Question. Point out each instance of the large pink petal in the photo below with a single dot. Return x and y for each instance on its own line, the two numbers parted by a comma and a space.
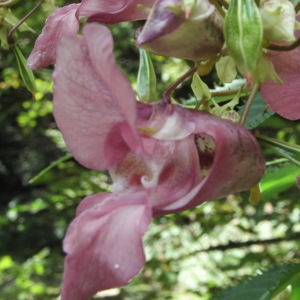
60, 23
104, 244
94, 104
230, 159
285, 99
113, 11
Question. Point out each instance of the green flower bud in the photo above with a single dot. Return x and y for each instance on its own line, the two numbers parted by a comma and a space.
279, 18
244, 35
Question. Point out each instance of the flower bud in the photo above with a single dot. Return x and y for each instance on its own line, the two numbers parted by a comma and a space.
244, 34
183, 29
279, 18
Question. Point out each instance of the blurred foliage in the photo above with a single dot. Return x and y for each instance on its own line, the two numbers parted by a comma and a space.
191, 255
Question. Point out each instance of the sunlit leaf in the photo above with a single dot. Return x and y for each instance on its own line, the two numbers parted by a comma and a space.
264, 286
278, 180
295, 295
200, 88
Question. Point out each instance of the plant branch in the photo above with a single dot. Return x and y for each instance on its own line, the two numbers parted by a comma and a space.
285, 48
10, 38
167, 94
248, 104
238, 245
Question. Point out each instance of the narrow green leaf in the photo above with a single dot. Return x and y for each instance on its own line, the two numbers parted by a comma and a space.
146, 79
264, 286
286, 150
51, 166
278, 180
26, 74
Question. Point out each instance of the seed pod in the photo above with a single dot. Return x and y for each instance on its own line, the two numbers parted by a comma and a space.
243, 32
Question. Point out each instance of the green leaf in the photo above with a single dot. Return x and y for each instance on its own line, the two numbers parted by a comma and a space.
286, 150
146, 79
51, 166
258, 112
26, 74
200, 88
264, 286
226, 69
295, 295
278, 180
11, 20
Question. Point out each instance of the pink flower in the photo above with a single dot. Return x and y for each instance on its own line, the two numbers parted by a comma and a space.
65, 21
284, 98
111, 12
162, 158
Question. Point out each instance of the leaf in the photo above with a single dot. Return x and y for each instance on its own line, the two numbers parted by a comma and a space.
26, 74
259, 112
146, 79
286, 150
225, 68
295, 295
51, 166
278, 180
200, 88
264, 286
11, 20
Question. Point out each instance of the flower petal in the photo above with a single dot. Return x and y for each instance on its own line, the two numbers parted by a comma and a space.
94, 104
104, 244
113, 11
60, 23
285, 99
